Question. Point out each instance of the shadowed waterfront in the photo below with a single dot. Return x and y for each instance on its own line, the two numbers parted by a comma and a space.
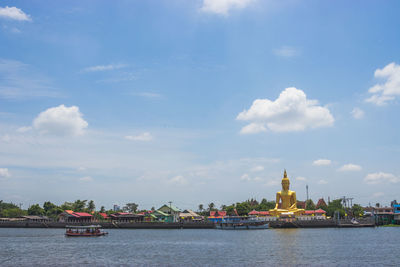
364, 246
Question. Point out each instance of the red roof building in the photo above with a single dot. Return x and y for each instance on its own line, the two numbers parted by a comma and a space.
321, 203
75, 217
218, 213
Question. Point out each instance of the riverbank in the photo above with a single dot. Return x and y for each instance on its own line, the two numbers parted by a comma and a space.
191, 225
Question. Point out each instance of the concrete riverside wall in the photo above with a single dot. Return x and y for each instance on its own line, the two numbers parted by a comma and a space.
109, 225
198, 225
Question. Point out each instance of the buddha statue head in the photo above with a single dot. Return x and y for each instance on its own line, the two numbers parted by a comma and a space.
285, 182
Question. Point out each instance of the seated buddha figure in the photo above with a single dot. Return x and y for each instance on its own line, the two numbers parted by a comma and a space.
287, 198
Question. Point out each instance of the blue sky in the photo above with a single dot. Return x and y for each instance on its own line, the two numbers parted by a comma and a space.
198, 101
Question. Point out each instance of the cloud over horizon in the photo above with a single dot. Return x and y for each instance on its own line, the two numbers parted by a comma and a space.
381, 177
4, 173
290, 112
60, 120
350, 167
322, 162
14, 13
223, 7
389, 89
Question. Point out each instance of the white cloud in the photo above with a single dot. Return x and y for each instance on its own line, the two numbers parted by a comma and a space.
253, 128
14, 13
257, 168
4, 172
141, 137
178, 180
104, 67
86, 179
350, 167
245, 177
222, 7
286, 51
381, 177
322, 162
24, 129
60, 120
322, 182
378, 194
292, 111
357, 113
387, 91
300, 178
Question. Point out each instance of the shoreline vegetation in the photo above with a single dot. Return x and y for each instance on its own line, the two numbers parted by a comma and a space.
51, 210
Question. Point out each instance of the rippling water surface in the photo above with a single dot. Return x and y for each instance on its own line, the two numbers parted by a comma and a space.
319, 247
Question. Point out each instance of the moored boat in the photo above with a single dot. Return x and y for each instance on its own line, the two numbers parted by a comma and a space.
90, 230
242, 223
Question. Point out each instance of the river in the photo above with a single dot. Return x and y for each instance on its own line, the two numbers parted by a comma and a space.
203, 247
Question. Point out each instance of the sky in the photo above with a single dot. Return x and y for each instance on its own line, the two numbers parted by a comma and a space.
198, 101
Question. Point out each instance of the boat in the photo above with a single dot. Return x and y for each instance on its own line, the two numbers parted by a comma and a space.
89, 230
242, 223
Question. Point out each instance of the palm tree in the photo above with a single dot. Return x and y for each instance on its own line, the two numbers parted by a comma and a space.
201, 207
211, 206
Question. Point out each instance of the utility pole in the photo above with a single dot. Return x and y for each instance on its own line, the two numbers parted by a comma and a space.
170, 210
307, 191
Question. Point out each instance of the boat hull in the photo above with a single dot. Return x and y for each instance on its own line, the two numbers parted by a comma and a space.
241, 226
84, 234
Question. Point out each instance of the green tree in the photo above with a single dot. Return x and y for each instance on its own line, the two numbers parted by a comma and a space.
310, 205
265, 205
243, 208
13, 213
35, 210
335, 205
211, 206
91, 206
201, 207
67, 206
357, 210
131, 207
102, 209
230, 210
47, 206
79, 205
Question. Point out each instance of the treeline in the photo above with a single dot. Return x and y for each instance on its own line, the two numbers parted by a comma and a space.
10, 210
51, 210
243, 208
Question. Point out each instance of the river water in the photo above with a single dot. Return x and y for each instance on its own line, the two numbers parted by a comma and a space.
203, 247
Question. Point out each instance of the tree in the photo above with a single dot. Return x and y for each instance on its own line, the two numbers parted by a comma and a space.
90, 206
13, 213
131, 207
335, 205
47, 206
310, 205
230, 210
265, 205
35, 210
211, 206
357, 210
201, 207
243, 208
79, 205
102, 209
67, 206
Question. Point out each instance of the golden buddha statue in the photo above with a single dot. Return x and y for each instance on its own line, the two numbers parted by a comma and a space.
287, 199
